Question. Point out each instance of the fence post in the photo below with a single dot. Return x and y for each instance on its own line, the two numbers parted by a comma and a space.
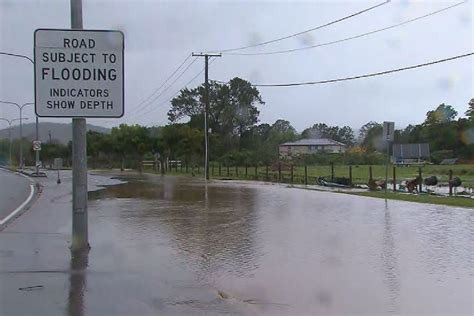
192, 170
246, 173
421, 180
256, 172
450, 178
220, 169
305, 174
181, 168
187, 167
370, 174
228, 173
291, 172
176, 167
199, 169
267, 173
237, 171
212, 169
332, 171
350, 175
279, 171
394, 179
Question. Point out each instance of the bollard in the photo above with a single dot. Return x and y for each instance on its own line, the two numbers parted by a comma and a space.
176, 167
420, 179
228, 172
350, 175
394, 179
187, 168
199, 169
256, 172
212, 169
267, 173
181, 168
220, 170
305, 175
237, 171
450, 184
246, 173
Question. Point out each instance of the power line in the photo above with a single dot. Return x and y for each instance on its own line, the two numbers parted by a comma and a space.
164, 82
306, 31
352, 37
166, 89
360, 76
177, 92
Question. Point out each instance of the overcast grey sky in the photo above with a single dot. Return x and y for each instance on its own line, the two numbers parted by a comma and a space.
160, 34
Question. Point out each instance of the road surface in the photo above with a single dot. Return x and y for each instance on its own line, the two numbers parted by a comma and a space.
14, 190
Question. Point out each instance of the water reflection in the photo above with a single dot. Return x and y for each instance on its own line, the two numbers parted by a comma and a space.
390, 262
212, 225
77, 282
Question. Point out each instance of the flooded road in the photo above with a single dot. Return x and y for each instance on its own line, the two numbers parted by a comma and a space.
247, 248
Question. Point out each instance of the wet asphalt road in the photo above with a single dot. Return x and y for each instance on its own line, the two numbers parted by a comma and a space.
14, 190
175, 246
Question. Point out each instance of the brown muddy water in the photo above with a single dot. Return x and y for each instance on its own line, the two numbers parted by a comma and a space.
178, 246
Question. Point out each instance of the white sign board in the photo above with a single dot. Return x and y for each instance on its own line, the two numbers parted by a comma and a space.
36, 145
79, 73
388, 131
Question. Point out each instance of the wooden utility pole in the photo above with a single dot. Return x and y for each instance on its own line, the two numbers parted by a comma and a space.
206, 109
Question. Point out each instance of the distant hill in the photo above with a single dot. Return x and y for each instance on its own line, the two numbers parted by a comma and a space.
59, 131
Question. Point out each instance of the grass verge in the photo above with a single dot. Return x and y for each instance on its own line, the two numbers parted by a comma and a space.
423, 198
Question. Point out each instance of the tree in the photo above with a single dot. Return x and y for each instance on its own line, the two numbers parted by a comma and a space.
343, 134
370, 135
470, 111
443, 113
131, 140
232, 109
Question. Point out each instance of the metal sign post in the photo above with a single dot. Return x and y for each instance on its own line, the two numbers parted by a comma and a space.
79, 74
388, 135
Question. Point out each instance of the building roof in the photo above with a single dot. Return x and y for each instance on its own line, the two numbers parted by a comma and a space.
313, 142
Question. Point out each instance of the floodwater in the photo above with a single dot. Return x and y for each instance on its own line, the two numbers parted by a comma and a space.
178, 246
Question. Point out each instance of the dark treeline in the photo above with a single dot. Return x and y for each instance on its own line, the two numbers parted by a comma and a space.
237, 138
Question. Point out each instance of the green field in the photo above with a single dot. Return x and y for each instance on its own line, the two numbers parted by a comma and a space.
360, 174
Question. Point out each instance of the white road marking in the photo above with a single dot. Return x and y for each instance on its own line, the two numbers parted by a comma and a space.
20, 208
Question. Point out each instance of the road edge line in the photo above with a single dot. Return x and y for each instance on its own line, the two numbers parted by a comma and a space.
22, 207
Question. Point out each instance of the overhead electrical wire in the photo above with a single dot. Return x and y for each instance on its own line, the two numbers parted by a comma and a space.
166, 89
177, 92
164, 82
348, 38
360, 76
305, 31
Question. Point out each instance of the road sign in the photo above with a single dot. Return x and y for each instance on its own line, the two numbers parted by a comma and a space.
388, 131
79, 73
36, 145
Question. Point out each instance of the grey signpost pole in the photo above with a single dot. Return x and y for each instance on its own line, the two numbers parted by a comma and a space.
79, 162
37, 151
388, 133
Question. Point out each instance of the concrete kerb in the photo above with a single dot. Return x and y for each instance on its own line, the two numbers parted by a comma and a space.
23, 206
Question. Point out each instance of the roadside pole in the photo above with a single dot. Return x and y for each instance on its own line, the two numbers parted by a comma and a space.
206, 110
80, 238
388, 135
37, 151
